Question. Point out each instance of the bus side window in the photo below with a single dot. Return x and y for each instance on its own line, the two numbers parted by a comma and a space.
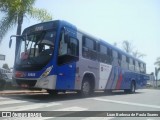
110, 55
73, 46
68, 49
144, 66
137, 66
115, 58
119, 59
62, 45
141, 68
131, 66
123, 62
115, 54
134, 64
89, 50
103, 54
127, 62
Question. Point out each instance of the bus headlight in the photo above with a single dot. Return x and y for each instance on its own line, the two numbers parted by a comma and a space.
46, 72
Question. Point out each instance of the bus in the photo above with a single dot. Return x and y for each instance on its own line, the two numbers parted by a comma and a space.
57, 56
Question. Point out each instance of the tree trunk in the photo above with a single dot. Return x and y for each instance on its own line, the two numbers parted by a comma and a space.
19, 27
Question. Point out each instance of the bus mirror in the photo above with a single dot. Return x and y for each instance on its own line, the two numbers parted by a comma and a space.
66, 38
10, 43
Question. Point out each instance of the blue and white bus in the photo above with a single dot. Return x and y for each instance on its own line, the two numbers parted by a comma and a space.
57, 56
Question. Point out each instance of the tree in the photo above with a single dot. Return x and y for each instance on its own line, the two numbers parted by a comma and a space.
14, 12
127, 46
138, 54
5, 66
157, 62
115, 44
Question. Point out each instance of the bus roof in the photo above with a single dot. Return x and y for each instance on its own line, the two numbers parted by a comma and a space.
49, 24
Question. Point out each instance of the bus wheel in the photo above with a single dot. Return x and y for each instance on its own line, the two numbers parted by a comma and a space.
52, 92
132, 88
108, 92
86, 88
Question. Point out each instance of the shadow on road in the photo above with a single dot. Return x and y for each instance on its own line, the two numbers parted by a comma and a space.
45, 97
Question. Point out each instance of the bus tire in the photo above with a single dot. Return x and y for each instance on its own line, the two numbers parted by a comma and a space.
86, 88
108, 92
132, 88
52, 92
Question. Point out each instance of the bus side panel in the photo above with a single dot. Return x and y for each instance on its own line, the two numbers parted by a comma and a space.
66, 77
137, 77
115, 79
128, 76
141, 80
85, 66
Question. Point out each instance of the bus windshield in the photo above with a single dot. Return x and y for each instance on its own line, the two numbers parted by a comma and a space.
36, 48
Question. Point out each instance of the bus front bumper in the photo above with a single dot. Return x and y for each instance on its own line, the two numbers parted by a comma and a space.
48, 82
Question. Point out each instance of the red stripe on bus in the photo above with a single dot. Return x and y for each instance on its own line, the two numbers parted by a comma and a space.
119, 81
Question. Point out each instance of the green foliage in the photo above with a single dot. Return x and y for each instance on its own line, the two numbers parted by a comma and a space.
15, 10
157, 62
5, 66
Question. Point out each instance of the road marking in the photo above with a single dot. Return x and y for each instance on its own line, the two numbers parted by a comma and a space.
30, 118
46, 118
98, 118
2, 98
75, 108
29, 107
11, 102
126, 103
34, 118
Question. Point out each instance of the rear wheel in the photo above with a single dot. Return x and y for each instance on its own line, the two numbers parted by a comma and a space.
108, 92
132, 88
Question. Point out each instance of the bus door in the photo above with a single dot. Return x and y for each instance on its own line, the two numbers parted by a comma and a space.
67, 57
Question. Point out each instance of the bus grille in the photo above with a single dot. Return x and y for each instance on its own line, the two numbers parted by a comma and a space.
29, 83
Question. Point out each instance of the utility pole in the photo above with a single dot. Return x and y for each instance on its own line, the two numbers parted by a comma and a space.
156, 73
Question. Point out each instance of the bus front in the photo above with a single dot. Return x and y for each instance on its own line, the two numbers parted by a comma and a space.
34, 60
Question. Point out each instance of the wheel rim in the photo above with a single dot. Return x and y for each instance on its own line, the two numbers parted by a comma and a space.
133, 87
86, 87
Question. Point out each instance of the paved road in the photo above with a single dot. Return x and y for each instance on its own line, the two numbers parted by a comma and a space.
72, 104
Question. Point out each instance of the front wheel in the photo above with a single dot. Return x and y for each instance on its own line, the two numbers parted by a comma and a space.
86, 88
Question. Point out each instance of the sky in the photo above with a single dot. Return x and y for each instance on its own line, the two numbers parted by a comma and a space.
137, 21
